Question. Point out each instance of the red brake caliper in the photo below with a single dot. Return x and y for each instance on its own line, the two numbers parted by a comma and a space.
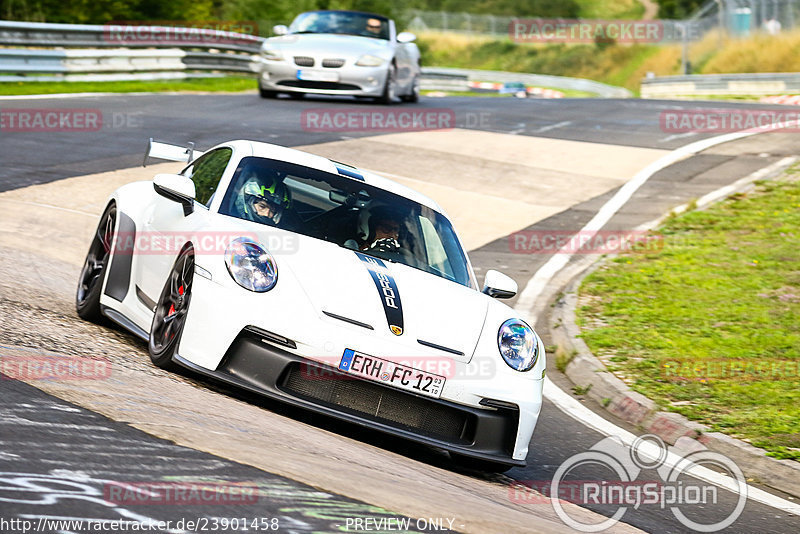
172, 306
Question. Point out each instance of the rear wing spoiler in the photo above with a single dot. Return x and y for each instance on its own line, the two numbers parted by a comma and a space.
158, 150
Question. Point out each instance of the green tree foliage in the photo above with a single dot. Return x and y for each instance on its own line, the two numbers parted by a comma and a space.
103, 11
269, 11
678, 9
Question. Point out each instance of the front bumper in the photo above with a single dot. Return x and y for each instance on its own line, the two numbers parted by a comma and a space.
282, 76
260, 365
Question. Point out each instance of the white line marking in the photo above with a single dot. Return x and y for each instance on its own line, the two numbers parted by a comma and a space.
676, 136
553, 126
559, 260
38, 205
539, 281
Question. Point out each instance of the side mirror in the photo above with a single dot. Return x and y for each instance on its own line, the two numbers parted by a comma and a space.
406, 37
280, 29
499, 286
177, 188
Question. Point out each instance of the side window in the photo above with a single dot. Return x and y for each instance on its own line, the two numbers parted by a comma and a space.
206, 173
437, 256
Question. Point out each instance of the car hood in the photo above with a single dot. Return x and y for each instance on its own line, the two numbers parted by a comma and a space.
328, 45
436, 315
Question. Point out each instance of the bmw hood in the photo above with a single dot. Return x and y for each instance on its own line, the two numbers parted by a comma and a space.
327, 45
402, 305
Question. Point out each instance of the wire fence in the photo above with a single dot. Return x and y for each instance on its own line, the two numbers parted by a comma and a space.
737, 18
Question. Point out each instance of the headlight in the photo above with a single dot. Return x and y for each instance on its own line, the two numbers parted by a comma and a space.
271, 55
250, 265
369, 61
518, 345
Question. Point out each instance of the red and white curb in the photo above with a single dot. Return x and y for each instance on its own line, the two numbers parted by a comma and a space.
782, 99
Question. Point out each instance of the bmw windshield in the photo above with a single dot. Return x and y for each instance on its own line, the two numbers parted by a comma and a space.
347, 212
341, 22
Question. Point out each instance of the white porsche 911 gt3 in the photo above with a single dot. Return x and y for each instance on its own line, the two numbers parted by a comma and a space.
324, 286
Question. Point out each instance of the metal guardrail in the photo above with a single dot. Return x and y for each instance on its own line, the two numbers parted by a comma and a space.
93, 53
43, 34
75, 65
543, 80
82, 52
758, 84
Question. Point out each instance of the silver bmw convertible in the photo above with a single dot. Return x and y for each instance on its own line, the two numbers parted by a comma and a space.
340, 53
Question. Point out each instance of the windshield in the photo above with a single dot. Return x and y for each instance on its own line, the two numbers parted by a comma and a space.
347, 212
343, 22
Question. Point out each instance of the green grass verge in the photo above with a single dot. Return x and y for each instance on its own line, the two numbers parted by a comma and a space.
698, 325
227, 84
610, 9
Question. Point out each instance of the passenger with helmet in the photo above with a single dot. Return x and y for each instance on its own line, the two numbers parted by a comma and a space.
385, 227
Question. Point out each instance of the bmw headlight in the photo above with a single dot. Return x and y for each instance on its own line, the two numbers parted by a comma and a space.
250, 265
271, 55
518, 344
368, 60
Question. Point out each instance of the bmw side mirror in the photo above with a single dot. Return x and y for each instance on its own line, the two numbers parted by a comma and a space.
406, 37
280, 29
499, 286
177, 188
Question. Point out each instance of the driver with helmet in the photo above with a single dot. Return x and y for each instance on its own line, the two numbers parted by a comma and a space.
263, 198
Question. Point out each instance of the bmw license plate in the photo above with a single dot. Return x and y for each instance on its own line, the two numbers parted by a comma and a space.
392, 373
317, 76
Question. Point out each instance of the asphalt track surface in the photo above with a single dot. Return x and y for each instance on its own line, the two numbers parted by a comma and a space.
29, 158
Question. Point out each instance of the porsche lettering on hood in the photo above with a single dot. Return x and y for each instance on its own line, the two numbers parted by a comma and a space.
387, 289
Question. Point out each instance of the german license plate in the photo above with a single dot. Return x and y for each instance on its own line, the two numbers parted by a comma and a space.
392, 373
317, 76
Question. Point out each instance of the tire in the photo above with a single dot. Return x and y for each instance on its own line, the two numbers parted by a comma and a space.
387, 98
170, 315
90, 282
476, 464
266, 93
414, 96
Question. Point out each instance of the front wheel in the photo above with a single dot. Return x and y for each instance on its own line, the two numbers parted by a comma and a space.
387, 98
414, 95
170, 315
90, 283
265, 93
